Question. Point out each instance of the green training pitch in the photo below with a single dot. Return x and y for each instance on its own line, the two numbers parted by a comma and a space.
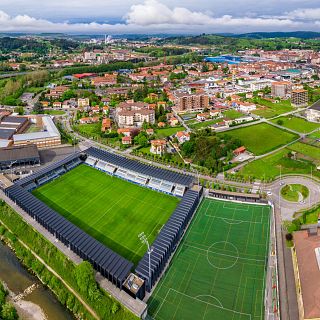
109, 209
219, 270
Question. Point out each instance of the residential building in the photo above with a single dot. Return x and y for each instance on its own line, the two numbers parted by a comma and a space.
83, 102
87, 120
106, 124
126, 140
280, 89
134, 114
299, 98
313, 113
158, 146
186, 102
182, 136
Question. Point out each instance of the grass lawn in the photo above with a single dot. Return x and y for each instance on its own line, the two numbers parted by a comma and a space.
297, 124
269, 167
204, 124
111, 210
315, 135
292, 192
166, 132
306, 149
92, 129
54, 112
261, 138
233, 114
271, 109
220, 267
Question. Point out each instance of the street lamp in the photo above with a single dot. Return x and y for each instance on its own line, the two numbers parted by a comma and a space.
11, 164
143, 238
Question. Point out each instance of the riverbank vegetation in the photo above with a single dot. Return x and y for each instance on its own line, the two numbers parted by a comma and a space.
79, 277
7, 310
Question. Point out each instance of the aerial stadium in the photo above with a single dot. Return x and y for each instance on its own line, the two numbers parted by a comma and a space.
108, 209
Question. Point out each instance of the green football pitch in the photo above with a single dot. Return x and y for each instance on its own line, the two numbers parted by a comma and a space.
219, 269
111, 210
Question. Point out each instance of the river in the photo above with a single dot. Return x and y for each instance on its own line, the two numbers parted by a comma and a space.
41, 303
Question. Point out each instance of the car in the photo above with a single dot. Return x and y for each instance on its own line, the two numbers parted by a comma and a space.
269, 193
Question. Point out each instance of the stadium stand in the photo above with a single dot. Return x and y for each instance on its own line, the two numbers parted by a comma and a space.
91, 161
138, 168
168, 239
179, 190
111, 265
66, 164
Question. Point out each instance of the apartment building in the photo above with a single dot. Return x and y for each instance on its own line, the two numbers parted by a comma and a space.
134, 114
280, 89
299, 98
186, 102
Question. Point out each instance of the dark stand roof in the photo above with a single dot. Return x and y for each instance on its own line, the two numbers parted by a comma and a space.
16, 153
139, 167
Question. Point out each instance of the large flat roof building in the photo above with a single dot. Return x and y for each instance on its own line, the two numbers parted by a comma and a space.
306, 258
48, 137
19, 156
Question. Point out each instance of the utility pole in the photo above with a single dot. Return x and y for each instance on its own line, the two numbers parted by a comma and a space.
143, 238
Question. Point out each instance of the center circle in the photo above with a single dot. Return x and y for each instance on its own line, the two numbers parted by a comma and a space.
222, 255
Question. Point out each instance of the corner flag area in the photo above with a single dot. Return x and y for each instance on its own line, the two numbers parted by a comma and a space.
219, 270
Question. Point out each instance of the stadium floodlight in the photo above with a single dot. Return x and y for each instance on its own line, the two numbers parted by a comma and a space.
143, 238
11, 164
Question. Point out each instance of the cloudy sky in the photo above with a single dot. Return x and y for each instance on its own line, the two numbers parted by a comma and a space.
158, 16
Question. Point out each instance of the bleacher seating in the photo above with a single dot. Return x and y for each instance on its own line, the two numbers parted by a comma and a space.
91, 161
131, 176
154, 183
179, 190
101, 165
121, 173
166, 187
141, 179
110, 168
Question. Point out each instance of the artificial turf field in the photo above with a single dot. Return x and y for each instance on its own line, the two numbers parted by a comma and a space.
111, 210
219, 269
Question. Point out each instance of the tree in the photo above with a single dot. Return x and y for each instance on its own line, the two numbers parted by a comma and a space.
38, 108
19, 110
141, 139
289, 237
8, 312
67, 95
280, 122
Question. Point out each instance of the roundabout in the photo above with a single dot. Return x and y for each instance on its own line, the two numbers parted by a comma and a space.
294, 192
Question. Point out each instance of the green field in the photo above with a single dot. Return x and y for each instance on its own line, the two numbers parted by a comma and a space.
54, 112
220, 268
261, 138
269, 167
111, 210
267, 109
307, 150
167, 132
233, 114
296, 124
204, 124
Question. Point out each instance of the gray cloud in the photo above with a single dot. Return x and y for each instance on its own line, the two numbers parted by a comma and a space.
153, 16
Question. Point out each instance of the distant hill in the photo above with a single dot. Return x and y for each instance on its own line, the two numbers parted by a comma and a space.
268, 35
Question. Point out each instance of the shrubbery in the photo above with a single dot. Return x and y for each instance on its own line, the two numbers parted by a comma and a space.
80, 277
